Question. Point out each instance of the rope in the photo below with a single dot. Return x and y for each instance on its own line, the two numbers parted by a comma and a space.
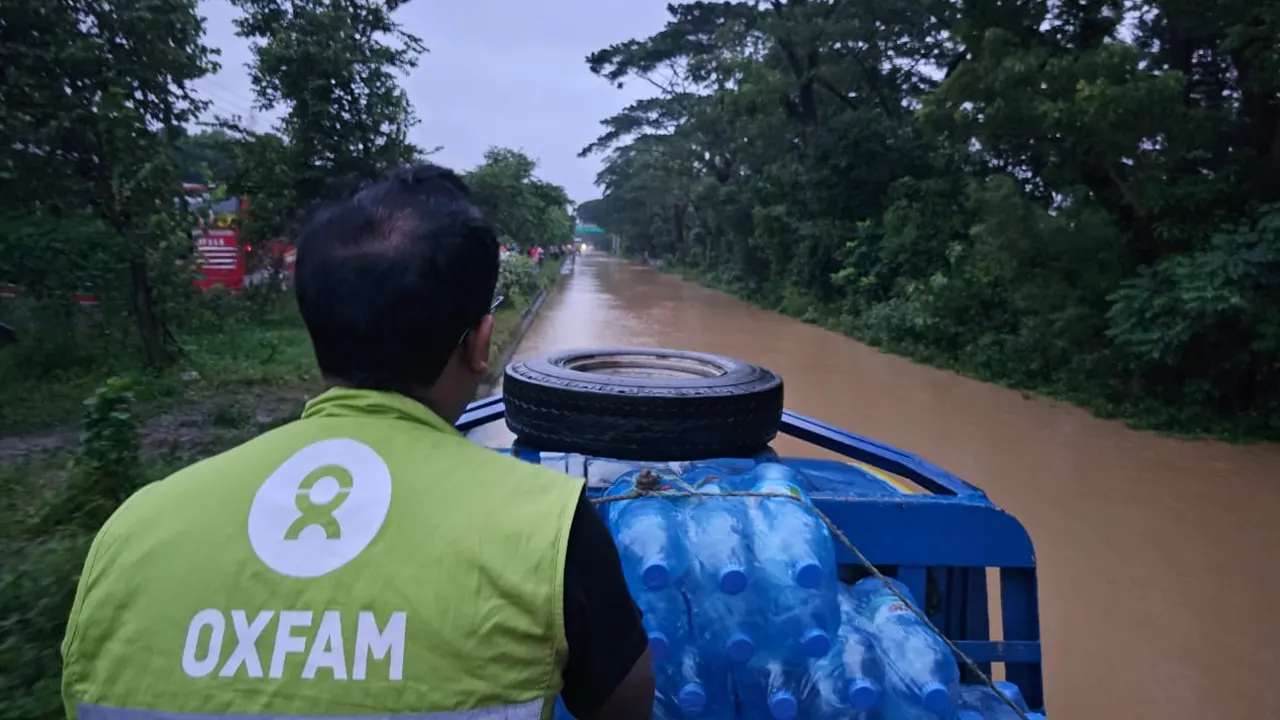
647, 485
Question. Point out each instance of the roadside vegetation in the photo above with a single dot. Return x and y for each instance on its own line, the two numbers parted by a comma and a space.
1072, 199
96, 401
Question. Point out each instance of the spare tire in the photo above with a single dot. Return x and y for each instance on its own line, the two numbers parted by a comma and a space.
643, 404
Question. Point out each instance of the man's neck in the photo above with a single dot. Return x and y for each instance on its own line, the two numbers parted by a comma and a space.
429, 398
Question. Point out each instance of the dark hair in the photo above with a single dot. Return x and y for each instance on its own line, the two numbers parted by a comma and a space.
391, 274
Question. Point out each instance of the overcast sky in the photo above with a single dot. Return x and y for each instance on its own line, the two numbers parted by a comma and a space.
499, 72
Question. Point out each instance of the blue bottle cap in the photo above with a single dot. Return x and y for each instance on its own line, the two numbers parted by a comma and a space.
862, 694
733, 580
808, 575
935, 698
692, 698
783, 705
655, 575
1034, 716
739, 647
968, 715
658, 645
816, 643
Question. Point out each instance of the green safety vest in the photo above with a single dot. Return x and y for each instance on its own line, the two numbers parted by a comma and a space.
364, 561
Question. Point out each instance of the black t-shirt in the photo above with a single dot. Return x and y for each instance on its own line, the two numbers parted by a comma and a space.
601, 621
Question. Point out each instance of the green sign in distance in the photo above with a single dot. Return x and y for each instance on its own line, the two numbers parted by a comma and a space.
588, 230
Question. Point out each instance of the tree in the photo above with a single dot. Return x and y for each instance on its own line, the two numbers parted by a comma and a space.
1026, 191
96, 95
333, 67
592, 212
208, 157
522, 206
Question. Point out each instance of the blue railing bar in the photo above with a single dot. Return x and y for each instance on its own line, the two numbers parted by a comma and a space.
856, 447
481, 412
914, 468
993, 651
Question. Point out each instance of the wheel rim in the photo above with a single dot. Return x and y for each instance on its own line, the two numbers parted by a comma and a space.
643, 366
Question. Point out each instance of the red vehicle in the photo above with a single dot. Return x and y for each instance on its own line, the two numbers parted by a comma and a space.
219, 258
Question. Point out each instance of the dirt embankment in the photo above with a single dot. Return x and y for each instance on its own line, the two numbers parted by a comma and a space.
182, 428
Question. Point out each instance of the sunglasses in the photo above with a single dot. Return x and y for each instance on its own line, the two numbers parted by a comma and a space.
493, 306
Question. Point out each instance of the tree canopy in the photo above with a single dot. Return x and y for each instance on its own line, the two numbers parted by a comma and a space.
102, 126
1078, 197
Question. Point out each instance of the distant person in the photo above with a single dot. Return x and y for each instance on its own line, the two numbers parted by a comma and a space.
366, 561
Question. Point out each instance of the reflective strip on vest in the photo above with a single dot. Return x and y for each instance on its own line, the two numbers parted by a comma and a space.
531, 710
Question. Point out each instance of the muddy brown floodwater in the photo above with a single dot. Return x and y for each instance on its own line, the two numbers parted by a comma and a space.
1158, 558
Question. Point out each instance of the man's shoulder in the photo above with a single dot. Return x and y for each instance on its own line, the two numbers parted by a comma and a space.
235, 474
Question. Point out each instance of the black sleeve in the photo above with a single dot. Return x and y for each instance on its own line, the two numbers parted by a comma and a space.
601, 621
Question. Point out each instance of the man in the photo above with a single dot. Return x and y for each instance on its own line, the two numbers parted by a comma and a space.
366, 560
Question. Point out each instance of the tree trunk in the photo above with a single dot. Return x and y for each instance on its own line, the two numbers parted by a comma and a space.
151, 329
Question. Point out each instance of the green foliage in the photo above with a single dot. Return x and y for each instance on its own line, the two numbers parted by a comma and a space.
109, 447
334, 70
208, 157
89, 165
519, 277
1068, 206
45, 540
521, 206
38, 578
90, 168
108, 467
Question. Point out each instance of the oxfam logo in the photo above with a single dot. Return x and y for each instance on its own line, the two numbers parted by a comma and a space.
321, 508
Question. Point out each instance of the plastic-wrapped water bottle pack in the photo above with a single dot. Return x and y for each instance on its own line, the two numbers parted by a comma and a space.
747, 619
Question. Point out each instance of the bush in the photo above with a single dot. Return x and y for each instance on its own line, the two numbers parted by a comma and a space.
108, 468
518, 276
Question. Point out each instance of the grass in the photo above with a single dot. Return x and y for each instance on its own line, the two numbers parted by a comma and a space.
44, 380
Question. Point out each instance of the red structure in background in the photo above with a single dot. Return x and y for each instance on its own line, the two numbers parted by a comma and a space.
219, 258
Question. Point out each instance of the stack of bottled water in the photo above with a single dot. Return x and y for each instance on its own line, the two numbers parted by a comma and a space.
747, 619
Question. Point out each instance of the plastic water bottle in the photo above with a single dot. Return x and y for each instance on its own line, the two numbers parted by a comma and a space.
718, 538
795, 561
666, 621
860, 660
727, 620
836, 691
688, 686
648, 534
790, 541
770, 688
692, 685
859, 655
984, 701
728, 625
681, 692
921, 676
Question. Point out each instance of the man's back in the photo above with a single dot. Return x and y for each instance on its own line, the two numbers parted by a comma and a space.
364, 560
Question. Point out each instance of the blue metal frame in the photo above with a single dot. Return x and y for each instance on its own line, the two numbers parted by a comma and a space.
939, 543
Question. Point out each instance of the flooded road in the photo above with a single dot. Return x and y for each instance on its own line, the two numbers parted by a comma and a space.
1157, 557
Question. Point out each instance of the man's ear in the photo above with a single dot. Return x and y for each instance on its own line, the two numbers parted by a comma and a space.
477, 346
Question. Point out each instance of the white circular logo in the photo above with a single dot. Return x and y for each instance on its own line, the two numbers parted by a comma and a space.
321, 508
